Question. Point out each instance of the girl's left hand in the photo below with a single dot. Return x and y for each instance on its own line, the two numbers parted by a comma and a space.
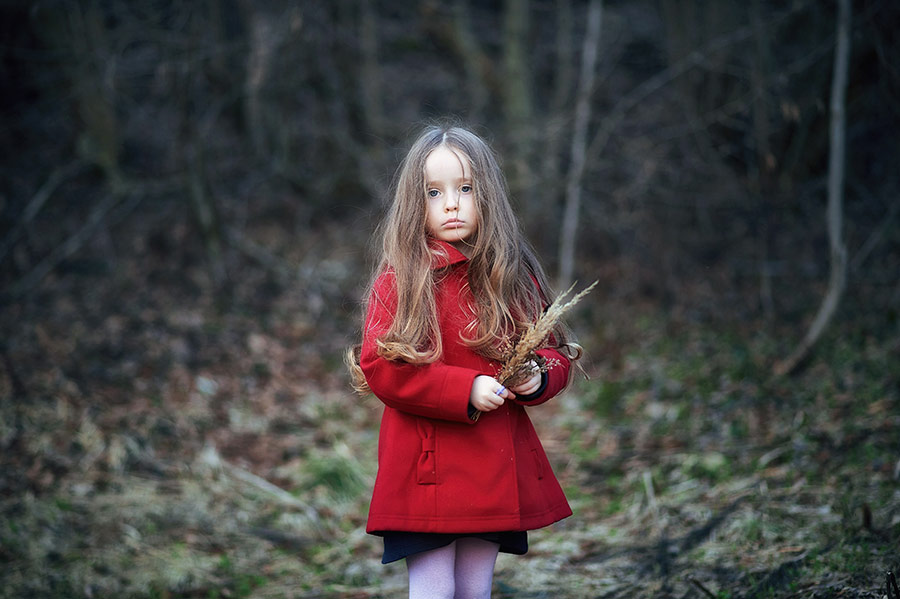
529, 386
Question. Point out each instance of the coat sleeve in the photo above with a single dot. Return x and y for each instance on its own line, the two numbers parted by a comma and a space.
435, 390
557, 377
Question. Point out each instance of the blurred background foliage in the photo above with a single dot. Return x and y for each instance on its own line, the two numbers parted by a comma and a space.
706, 146
186, 198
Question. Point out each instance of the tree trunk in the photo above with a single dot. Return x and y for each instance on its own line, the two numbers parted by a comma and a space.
371, 155
764, 167
834, 214
555, 126
370, 72
568, 231
518, 110
473, 60
264, 38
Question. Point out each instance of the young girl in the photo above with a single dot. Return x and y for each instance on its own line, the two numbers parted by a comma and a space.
461, 472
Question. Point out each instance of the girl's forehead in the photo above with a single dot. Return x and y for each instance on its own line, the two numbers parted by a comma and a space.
445, 157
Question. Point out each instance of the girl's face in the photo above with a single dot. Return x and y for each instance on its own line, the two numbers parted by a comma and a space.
450, 210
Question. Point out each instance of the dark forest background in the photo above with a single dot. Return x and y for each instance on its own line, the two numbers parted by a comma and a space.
187, 194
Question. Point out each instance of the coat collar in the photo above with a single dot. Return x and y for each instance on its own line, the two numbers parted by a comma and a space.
443, 254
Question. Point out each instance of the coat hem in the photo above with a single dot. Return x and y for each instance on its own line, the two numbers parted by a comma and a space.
468, 525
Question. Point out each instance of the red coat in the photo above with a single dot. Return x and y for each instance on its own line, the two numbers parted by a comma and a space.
437, 470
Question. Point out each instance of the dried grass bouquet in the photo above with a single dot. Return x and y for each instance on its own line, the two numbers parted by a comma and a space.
522, 361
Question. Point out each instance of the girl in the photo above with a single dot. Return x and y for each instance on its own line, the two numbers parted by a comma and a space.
461, 472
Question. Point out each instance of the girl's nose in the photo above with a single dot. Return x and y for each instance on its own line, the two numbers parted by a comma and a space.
452, 202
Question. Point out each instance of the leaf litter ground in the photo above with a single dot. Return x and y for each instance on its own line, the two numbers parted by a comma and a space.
175, 447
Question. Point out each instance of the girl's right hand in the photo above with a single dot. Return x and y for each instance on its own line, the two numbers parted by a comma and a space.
484, 396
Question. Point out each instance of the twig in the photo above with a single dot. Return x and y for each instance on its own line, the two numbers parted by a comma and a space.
700, 586
263, 485
876, 236
811, 590
265, 258
651, 496
867, 518
891, 584
37, 202
18, 386
212, 458
650, 86
72, 244
280, 538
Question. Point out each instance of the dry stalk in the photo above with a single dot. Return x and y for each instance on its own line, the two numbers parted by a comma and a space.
522, 361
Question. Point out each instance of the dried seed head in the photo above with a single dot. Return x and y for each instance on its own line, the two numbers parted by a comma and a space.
518, 362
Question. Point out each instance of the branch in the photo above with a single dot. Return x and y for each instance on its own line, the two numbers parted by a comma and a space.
18, 387
666, 76
119, 189
281, 538
700, 586
891, 584
655, 83
211, 458
36, 203
265, 258
72, 244
876, 236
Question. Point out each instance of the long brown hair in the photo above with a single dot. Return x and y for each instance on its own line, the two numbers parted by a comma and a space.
507, 282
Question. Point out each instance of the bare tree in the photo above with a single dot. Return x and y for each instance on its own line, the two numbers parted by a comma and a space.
569, 229
834, 212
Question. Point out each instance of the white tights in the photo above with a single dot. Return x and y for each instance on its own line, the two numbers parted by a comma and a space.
463, 569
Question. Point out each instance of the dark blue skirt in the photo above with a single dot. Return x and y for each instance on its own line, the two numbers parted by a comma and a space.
399, 545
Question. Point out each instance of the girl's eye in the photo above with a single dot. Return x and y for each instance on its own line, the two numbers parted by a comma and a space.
433, 193
466, 189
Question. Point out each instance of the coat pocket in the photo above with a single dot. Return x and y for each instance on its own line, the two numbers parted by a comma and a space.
426, 468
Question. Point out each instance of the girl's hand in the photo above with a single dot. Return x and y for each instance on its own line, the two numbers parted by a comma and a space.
530, 386
484, 396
